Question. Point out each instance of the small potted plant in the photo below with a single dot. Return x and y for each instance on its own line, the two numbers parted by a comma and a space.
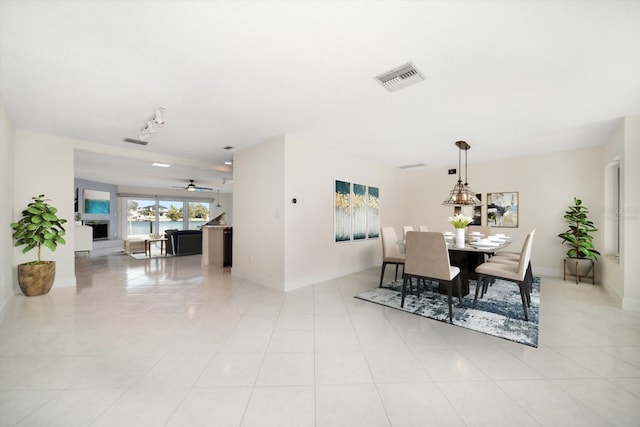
581, 254
460, 222
38, 226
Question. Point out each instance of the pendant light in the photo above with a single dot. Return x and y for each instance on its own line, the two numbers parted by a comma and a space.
218, 205
461, 195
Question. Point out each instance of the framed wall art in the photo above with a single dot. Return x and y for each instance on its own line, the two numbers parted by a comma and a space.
502, 209
359, 204
373, 212
97, 202
356, 210
474, 212
342, 211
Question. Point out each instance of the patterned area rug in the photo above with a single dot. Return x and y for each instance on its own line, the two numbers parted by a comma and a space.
498, 313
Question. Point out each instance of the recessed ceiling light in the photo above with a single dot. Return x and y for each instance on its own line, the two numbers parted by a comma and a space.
161, 165
228, 163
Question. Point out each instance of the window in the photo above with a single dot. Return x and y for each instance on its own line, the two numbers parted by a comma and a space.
198, 214
612, 209
150, 215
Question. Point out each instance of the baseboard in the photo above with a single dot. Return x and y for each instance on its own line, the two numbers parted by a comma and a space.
631, 304
261, 280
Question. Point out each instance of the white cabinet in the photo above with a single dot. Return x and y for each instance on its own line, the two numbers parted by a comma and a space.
83, 238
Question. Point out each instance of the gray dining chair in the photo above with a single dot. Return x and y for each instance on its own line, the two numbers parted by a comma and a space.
516, 273
427, 257
390, 251
423, 228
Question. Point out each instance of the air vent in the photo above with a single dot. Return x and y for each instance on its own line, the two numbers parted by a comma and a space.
135, 141
416, 165
400, 77
228, 147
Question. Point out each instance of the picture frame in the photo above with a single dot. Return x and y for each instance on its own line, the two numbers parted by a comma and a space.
97, 202
474, 212
342, 211
356, 212
503, 209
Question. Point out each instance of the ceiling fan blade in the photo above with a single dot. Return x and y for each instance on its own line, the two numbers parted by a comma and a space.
204, 188
175, 186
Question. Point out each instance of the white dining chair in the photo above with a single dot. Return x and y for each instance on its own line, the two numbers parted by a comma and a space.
516, 273
390, 251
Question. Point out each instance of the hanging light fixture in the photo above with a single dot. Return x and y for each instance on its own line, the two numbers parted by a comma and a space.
218, 205
461, 195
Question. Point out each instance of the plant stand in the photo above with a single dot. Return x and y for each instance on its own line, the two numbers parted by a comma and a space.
568, 262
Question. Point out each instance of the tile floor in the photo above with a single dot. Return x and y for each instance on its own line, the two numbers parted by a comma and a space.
164, 342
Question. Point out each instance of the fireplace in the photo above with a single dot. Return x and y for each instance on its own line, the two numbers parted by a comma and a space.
100, 229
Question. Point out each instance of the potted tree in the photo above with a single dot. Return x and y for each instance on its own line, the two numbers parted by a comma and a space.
581, 255
38, 226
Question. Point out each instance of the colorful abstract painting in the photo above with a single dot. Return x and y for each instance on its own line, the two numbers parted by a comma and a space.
97, 202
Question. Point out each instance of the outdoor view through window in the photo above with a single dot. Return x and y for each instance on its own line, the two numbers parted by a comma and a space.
151, 216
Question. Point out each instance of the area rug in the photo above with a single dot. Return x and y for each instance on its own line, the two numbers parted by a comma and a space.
499, 313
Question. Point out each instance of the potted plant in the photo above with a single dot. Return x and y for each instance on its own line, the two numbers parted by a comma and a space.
581, 254
460, 222
38, 226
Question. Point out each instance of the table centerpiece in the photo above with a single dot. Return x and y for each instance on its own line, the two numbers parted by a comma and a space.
460, 222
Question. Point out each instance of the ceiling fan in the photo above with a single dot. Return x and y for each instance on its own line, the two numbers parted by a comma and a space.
192, 187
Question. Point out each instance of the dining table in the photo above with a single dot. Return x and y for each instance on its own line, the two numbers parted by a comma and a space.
470, 256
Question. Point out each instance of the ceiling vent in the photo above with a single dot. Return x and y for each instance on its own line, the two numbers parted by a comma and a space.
413, 166
400, 77
135, 141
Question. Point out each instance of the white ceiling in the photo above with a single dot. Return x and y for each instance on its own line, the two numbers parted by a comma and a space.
511, 78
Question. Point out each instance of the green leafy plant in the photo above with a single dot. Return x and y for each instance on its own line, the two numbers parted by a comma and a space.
39, 226
578, 236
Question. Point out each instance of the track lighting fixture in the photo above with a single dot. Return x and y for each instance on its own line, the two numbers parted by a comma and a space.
158, 118
149, 128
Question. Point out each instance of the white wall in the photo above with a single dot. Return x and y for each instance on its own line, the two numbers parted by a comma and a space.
546, 185
258, 205
631, 214
610, 267
311, 255
7, 150
285, 245
44, 165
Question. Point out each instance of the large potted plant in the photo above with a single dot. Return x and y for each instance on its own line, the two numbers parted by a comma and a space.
38, 226
581, 254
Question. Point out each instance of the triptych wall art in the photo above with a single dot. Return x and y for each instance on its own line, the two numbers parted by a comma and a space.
356, 212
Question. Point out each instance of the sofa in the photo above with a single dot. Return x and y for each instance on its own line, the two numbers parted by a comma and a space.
184, 242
